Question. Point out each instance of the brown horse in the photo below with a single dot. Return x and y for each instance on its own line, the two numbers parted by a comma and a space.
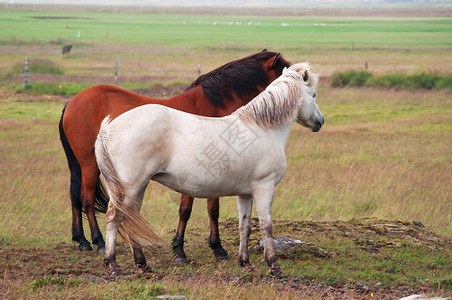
215, 94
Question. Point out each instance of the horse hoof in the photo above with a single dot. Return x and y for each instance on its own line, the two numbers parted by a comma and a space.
144, 269
248, 267
114, 273
222, 257
277, 273
180, 260
221, 254
85, 247
101, 251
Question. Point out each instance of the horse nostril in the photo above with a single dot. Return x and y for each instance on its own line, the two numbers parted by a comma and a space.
320, 123
317, 125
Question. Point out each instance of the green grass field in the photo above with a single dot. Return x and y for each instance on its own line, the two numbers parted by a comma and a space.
199, 32
160, 44
382, 160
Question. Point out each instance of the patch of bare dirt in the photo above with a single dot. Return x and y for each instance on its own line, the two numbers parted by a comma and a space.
307, 289
20, 265
66, 262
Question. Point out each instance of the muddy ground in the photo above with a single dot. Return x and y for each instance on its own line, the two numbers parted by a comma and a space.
21, 265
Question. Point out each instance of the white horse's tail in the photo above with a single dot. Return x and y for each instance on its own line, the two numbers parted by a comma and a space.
134, 230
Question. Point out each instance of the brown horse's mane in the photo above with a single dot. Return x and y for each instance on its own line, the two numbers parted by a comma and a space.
241, 78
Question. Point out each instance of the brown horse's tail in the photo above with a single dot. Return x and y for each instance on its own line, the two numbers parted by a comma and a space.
100, 194
134, 230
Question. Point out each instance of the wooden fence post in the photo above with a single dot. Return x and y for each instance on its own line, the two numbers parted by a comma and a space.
116, 70
26, 72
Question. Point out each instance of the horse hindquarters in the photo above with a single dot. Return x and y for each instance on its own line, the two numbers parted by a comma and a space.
87, 195
74, 190
123, 215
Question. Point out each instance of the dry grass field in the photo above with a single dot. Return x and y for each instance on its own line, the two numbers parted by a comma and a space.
359, 189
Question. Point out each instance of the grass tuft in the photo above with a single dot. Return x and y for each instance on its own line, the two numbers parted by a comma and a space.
54, 88
422, 80
350, 78
38, 66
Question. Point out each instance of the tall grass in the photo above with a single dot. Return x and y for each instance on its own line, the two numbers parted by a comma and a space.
422, 80
72, 88
387, 156
381, 153
350, 78
414, 81
39, 66
55, 88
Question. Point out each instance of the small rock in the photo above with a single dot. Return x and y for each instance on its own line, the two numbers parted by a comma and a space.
93, 278
417, 223
166, 296
281, 243
421, 297
284, 245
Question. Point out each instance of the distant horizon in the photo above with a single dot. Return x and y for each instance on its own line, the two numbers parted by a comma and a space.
245, 3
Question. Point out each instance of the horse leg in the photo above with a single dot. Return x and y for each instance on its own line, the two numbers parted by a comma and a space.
245, 205
114, 218
77, 230
96, 235
89, 182
186, 204
213, 207
75, 192
264, 201
138, 255
140, 260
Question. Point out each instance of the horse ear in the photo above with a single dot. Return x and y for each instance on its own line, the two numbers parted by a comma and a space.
271, 62
284, 70
275, 59
264, 50
306, 75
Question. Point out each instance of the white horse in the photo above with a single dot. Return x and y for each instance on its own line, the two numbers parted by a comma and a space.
241, 154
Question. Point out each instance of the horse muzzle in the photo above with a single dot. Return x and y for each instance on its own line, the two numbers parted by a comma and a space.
318, 124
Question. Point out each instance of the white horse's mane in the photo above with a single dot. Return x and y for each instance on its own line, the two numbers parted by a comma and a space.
278, 103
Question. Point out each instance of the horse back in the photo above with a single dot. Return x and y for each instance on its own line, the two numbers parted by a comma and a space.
103, 100
86, 110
